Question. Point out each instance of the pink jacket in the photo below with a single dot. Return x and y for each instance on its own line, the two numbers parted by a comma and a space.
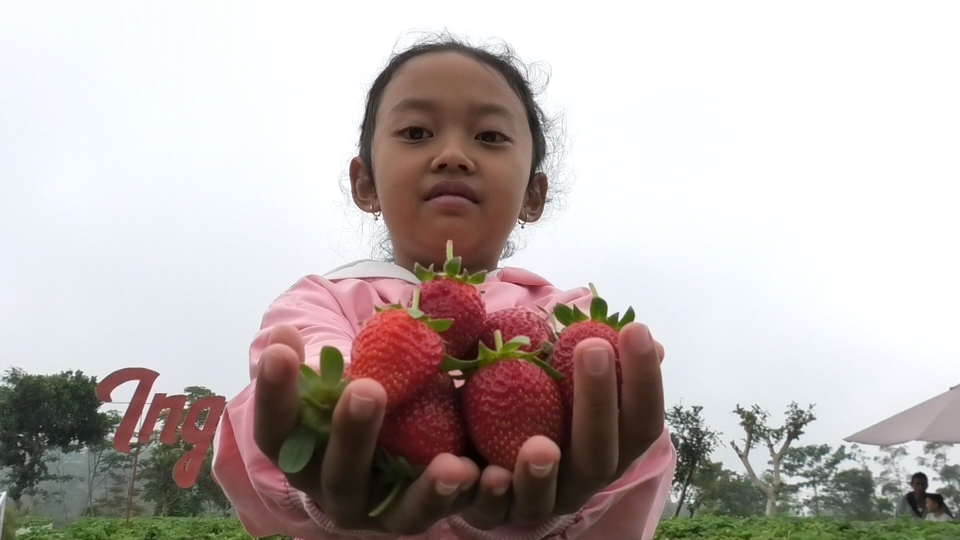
328, 311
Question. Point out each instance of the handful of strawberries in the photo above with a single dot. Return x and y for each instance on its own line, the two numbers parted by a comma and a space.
517, 375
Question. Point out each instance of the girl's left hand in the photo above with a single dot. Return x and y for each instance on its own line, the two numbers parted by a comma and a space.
604, 440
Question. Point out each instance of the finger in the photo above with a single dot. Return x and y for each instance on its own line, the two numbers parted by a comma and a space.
276, 407
661, 352
592, 458
430, 497
289, 336
468, 490
535, 480
642, 412
347, 462
492, 502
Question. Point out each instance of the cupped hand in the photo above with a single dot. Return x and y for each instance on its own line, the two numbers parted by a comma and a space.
339, 479
604, 441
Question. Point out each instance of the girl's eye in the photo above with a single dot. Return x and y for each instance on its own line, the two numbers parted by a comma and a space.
415, 133
491, 137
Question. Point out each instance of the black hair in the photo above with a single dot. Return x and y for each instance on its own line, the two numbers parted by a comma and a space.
938, 498
919, 475
506, 62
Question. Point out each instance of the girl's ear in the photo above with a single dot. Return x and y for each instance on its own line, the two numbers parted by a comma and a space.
535, 198
362, 187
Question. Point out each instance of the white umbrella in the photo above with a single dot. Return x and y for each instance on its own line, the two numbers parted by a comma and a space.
935, 420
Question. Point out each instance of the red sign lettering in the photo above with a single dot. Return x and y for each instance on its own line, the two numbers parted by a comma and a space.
187, 469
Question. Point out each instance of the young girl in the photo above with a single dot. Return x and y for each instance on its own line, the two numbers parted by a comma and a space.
451, 147
937, 508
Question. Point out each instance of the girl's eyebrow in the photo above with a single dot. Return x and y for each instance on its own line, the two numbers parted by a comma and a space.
479, 109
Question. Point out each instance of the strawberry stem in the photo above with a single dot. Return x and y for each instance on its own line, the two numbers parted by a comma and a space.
397, 487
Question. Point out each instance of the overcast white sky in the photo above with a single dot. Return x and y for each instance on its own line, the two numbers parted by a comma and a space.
774, 188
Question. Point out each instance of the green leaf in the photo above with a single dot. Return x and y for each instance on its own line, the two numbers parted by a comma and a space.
439, 325
564, 314
455, 364
331, 366
423, 274
452, 267
514, 344
553, 373
307, 373
627, 317
297, 450
311, 384
598, 309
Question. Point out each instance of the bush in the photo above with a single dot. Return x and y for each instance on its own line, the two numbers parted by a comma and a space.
10, 524
146, 529
759, 528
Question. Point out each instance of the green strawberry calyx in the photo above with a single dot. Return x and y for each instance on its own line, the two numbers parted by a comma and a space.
415, 313
501, 351
318, 394
395, 474
567, 316
452, 269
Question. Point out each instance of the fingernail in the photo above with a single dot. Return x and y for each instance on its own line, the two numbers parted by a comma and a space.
540, 471
500, 490
269, 370
596, 360
361, 407
444, 489
640, 338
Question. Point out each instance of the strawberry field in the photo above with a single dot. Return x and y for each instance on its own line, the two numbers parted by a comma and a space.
701, 528
785, 528
141, 529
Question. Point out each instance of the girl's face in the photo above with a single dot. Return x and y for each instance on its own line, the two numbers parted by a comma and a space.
931, 504
451, 156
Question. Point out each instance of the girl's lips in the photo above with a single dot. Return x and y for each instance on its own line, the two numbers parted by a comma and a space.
450, 190
451, 201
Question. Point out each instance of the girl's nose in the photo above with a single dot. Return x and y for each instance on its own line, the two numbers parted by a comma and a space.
452, 156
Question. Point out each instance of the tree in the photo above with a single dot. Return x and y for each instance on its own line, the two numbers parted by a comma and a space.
701, 491
754, 424
161, 489
42, 413
935, 457
851, 494
97, 454
694, 443
56, 472
893, 477
816, 465
734, 495
116, 487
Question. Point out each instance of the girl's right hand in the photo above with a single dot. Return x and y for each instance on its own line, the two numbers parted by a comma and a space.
339, 480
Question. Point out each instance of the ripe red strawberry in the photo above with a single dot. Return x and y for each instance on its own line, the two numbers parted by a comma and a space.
453, 295
578, 327
520, 321
426, 425
508, 399
399, 348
